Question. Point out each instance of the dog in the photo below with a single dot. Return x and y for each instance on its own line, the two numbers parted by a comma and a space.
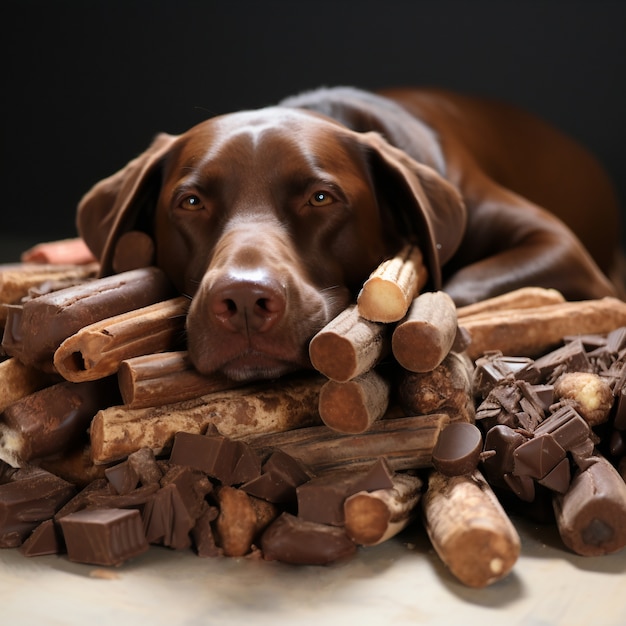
270, 220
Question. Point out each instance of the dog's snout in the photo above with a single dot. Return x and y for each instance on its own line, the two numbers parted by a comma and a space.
247, 303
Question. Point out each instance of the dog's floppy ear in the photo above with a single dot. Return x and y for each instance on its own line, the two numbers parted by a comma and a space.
116, 204
427, 209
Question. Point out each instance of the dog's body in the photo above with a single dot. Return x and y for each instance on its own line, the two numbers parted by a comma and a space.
272, 219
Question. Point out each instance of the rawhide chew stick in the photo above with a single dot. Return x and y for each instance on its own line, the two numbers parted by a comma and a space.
97, 350
353, 406
591, 515
530, 332
448, 388
50, 421
18, 380
469, 529
388, 292
348, 346
61, 251
522, 298
424, 337
40, 325
165, 378
117, 431
375, 516
404, 442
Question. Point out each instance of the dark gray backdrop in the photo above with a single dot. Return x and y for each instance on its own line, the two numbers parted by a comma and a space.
87, 83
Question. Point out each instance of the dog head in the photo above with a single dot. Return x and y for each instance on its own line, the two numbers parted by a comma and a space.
270, 221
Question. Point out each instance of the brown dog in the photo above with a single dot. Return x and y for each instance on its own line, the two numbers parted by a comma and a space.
272, 219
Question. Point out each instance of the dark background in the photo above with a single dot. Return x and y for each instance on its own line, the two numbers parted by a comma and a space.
87, 83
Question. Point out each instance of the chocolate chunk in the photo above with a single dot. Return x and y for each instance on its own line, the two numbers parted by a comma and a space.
43, 540
494, 368
458, 449
522, 486
122, 477
192, 485
569, 358
537, 456
29, 498
291, 539
144, 464
619, 421
167, 519
558, 479
504, 441
103, 536
202, 533
567, 427
379, 476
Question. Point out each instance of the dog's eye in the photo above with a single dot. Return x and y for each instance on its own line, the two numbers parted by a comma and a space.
191, 203
321, 198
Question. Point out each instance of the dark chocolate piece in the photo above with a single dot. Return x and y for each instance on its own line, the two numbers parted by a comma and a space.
537, 457
504, 441
144, 463
29, 498
122, 477
202, 533
293, 540
567, 427
558, 479
103, 536
458, 449
494, 369
167, 519
568, 358
43, 540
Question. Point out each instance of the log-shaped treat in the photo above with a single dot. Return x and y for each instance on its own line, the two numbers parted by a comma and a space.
530, 332
591, 515
375, 516
40, 325
353, 406
469, 529
18, 381
348, 345
117, 431
522, 298
424, 337
165, 378
405, 443
388, 292
97, 350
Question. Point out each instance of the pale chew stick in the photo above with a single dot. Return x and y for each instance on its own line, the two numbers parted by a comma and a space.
469, 529
73, 250
531, 332
388, 292
348, 345
375, 516
19, 380
97, 350
424, 337
522, 298
117, 431
164, 378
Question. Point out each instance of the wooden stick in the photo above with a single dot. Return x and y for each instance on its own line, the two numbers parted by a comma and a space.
117, 431
353, 406
18, 381
523, 298
165, 378
97, 350
531, 332
375, 516
469, 529
349, 345
391, 287
405, 443
424, 337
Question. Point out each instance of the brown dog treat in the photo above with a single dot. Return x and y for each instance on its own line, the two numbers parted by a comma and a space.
425, 336
18, 381
50, 421
46, 321
290, 539
458, 449
133, 250
165, 378
591, 395
373, 517
591, 515
530, 332
236, 524
260, 408
469, 529
348, 346
445, 389
60, 252
522, 298
405, 443
353, 406
97, 350
388, 292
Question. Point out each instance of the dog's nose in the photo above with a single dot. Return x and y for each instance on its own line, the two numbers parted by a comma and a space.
248, 302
